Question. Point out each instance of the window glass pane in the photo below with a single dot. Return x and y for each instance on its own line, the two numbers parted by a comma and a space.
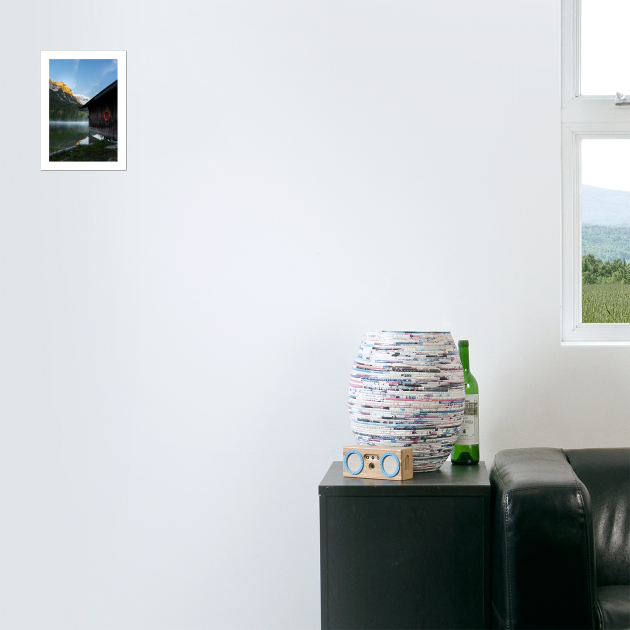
605, 50
605, 231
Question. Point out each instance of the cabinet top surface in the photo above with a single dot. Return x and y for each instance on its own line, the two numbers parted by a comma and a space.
449, 480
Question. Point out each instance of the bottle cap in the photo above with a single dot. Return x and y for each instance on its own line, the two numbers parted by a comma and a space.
463, 342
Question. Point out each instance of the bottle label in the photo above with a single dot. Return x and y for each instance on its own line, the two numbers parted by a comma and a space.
469, 431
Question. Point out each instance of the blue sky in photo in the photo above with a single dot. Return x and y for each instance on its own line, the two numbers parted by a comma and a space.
84, 76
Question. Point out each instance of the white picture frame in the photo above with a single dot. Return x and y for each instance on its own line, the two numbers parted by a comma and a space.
121, 163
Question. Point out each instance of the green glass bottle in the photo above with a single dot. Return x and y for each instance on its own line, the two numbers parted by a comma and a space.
466, 449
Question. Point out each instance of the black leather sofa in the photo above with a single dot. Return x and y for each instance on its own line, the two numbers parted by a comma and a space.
561, 540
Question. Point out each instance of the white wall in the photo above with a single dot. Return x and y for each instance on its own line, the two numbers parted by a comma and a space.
176, 339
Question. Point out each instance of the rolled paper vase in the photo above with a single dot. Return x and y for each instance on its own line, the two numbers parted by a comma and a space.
407, 389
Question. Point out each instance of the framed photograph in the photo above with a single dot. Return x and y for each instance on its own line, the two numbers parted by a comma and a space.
84, 110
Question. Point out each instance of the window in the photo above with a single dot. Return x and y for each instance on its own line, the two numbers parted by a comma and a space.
595, 172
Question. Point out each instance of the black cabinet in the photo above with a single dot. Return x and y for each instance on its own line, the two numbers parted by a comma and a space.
406, 554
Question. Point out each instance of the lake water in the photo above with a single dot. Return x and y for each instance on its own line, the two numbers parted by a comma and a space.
68, 134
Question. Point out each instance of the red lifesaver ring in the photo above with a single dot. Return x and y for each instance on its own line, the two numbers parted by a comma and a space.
107, 115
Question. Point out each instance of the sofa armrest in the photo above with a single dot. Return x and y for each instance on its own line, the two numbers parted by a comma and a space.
543, 565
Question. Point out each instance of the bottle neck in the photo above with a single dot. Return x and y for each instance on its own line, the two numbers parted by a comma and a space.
463, 355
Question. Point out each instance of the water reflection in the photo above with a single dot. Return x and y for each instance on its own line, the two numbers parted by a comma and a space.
67, 134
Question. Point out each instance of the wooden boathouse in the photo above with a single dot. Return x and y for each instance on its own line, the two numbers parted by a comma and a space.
103, 112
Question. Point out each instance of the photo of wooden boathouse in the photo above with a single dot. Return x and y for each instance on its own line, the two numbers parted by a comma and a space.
83, 122
103, 112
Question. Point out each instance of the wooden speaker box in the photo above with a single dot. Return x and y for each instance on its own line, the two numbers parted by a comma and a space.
372, 462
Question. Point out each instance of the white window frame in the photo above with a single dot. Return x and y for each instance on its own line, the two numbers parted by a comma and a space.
582, 117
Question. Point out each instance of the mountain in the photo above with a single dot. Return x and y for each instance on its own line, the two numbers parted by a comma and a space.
601, 206
63, 92
63, 104
82, 99
606, 242
605, 223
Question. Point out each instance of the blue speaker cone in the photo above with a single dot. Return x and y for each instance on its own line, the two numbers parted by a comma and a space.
353, 462
390, 464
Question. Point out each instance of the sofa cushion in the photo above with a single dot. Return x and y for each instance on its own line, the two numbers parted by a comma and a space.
606, 475
613, 607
